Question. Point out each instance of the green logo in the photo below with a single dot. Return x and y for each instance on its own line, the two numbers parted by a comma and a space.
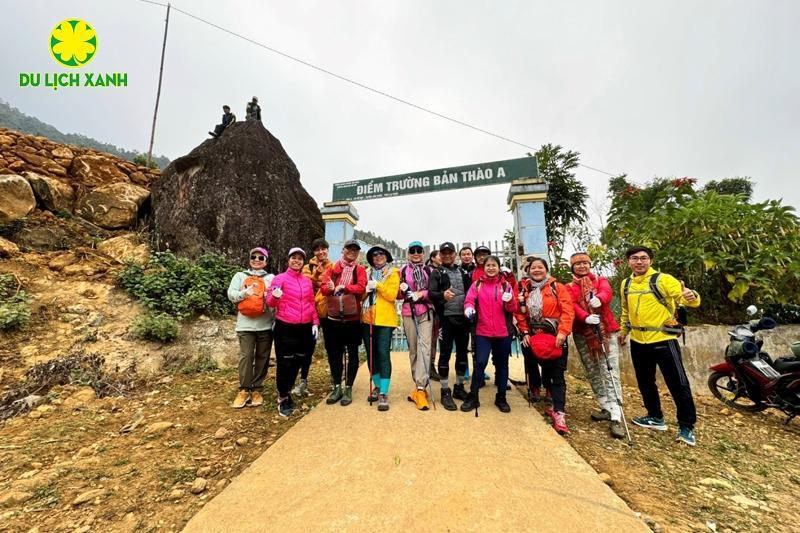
73, 43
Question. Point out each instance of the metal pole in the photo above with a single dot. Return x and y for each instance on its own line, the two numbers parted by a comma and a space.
158, 92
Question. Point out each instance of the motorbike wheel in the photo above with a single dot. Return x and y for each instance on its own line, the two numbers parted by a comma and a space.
729, 391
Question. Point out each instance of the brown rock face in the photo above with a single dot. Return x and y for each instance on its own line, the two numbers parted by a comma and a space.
234, 193
112, 206
96, 170
16, 198
53, 194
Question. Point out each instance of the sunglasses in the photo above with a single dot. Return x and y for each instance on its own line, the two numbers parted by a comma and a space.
258, 258
378, 253
415, 250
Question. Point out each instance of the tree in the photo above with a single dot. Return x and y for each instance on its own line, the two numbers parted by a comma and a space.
742, 186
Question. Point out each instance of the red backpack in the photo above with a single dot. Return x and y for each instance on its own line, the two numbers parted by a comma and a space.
255, 304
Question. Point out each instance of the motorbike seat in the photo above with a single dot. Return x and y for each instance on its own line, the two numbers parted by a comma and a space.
785, 365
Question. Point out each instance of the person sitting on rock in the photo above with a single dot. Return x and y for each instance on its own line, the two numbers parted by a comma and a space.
253, 110
228, 118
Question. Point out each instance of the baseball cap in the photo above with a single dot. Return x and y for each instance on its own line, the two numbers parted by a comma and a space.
448, 246
352, 243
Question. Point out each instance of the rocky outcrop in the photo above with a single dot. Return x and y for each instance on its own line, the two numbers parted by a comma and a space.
125, 248
233, 193
95, 170
16, 198
112, 206
8, 248
54, 195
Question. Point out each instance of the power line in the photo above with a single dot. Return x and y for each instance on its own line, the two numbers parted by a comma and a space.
363, 86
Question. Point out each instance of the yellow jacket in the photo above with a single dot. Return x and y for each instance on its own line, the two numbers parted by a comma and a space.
382, 311
310, 271
642, 309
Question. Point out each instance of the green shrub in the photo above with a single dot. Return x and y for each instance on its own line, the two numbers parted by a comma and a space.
203, 363
156, 327
181, 287
15, 313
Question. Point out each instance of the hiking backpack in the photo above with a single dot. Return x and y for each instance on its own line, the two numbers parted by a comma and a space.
680, 315
254, 304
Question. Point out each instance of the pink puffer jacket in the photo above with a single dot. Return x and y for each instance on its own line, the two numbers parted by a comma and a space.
494, 315
296, 306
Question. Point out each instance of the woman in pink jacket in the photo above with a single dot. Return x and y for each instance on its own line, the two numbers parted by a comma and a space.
493, 300
296, 323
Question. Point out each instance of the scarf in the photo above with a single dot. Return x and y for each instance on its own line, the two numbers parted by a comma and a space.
347, 268
418, 273
535, 298
594, 335
378, 274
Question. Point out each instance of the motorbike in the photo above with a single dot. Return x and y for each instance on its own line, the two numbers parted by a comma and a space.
749, 379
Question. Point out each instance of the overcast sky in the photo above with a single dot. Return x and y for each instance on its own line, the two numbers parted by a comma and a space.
701, 89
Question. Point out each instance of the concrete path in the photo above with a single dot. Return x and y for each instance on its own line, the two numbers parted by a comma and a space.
356, 469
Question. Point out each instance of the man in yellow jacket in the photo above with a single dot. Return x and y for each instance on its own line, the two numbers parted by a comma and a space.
649, 301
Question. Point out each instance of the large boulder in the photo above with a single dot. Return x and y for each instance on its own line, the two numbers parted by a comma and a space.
16, 198
125, 248
112, 206
53, 194
93, 170
233, 193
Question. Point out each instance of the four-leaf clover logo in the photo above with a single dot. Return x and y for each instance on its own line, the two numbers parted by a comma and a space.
73, 43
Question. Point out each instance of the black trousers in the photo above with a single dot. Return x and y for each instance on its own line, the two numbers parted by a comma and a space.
666, 355
552, 376
292, 342
341, 337
455, 330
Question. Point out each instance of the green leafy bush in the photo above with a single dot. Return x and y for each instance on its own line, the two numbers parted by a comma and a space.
15, 313
156, 327
181, 287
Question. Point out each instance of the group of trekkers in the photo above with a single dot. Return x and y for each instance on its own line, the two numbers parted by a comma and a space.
252, 112
475, 303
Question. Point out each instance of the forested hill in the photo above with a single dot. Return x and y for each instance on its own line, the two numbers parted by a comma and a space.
13, 118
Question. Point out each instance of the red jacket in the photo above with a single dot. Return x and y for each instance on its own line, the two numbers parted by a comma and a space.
358, 286
296, 306
602, 290
494, 315
558, 305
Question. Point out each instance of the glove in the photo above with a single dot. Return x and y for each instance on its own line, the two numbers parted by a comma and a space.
403, 287
371, 284
594, 301
277, 292
469, 312
593, 320
414, 296
249, 290
314, 331
507, 296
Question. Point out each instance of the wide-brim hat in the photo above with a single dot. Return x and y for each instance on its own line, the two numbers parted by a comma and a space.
374, 249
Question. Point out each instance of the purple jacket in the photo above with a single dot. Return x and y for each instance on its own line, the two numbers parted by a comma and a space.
423, 304
296, 306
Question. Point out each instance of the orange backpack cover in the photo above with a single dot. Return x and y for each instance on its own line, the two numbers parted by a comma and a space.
256, 303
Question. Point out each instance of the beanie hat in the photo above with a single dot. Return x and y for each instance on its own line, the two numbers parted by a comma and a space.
577, 257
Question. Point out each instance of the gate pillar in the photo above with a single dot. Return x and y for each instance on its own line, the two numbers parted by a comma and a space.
525, 200
340, 222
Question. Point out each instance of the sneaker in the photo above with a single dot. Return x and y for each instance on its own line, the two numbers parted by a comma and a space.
301, 389
373, 396
686, 435
470, 403
241, 399
335, 395
383, 402
501, 403
421, 399
650, 422
347, 396
291, 401
284, 408
256, 399
602, 414
447, 400
412, 396
459, 392
559, 423
616, 430
434, 375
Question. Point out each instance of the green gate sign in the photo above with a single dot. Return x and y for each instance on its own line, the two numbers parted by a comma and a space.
440, 179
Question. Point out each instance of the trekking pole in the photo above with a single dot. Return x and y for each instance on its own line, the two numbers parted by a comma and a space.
371, 343
527, 381
614, 385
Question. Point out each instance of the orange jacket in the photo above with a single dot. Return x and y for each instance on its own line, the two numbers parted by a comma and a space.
310, 271
558, 305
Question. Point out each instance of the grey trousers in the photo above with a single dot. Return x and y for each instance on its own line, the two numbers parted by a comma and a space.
419, 347
598, 375
254, 350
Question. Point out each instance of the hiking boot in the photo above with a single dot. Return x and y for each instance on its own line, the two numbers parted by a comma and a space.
335, 395
615, 427
412, 396
434, 375
501, 403
459, 392
447, 400
472, 402
534, 395
421, 399
347, 396
602, 414
383, 402
686, 435
284, 408
373, 396
301, 389
559, 423
650, 422
256, 399
241, 399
